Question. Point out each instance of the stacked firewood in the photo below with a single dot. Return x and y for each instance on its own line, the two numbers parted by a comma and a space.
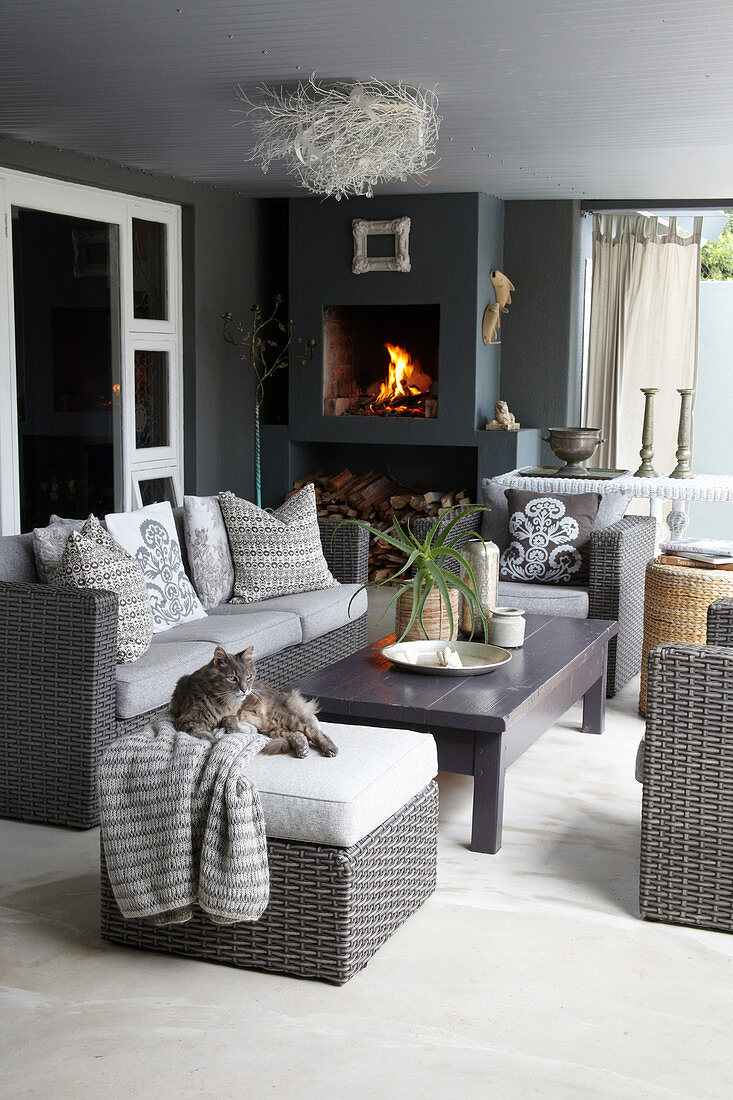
378, 499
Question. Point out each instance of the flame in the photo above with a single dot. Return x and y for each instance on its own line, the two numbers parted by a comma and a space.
405, 378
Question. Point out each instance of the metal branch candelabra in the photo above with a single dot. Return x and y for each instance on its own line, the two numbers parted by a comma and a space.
269, 344
344, 139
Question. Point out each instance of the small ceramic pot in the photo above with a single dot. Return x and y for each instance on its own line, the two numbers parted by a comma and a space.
506, 627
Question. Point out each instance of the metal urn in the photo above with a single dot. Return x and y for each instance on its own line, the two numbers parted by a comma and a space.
573, 446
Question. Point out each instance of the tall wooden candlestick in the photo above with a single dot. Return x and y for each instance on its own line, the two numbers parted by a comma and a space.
647, 436
684, 436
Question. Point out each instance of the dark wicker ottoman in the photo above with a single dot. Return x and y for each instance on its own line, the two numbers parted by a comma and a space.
330, 908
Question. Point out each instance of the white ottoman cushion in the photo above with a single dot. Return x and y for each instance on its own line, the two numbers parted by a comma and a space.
339, 800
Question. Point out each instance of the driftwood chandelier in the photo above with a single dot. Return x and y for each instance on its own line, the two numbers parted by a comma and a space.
344, 139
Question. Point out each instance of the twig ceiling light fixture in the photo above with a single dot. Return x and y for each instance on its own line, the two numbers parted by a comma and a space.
343, 139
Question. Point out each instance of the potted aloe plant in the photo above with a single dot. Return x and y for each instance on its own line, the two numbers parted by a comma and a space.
427, 602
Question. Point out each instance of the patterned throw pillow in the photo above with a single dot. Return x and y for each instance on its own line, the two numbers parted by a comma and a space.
549, 537
149, 535
49, 544
275, 553
92, 559
209, 557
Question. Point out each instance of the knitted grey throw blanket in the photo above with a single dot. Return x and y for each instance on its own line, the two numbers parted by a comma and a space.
182, 825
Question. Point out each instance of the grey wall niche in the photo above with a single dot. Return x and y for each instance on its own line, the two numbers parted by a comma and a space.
455, 240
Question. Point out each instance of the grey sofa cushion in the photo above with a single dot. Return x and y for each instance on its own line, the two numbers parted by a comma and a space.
268, 631
17, 559
338, 801
149, 682
319, 612
545, 599
495, 524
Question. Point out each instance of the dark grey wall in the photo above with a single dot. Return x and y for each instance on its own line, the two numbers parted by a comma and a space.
232, 256
454, 242
541, 348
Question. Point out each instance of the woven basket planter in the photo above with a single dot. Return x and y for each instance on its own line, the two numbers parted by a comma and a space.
676, 602
435, 618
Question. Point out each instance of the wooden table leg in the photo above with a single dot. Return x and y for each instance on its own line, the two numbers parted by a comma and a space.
594, 703
488, 795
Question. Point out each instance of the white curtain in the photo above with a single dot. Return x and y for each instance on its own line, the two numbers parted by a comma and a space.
643, 332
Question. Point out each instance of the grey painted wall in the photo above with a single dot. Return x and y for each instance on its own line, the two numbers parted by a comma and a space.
541, 348
712, 451
231, 258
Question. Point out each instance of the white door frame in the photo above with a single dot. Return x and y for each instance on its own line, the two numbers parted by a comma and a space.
95, 204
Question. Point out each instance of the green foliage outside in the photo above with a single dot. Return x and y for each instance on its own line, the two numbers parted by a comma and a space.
717, 256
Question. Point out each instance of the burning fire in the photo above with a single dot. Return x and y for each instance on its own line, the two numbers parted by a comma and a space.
405, 381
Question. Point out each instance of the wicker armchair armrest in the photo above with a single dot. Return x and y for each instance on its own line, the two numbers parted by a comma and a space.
465, 529
618, 558
57, 695
720, 623
346, 551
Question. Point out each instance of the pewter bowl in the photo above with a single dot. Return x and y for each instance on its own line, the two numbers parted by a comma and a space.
573, 446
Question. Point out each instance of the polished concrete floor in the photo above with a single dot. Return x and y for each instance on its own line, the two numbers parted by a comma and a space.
528, 973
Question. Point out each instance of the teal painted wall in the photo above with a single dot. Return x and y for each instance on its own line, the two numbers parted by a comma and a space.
541, 337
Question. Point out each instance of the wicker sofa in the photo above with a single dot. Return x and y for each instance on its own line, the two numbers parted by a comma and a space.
63, 698
686, 765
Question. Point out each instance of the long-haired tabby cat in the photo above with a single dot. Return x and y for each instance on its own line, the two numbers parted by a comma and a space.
225, 693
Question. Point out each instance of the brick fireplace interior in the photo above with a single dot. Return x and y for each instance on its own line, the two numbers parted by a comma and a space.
381, 360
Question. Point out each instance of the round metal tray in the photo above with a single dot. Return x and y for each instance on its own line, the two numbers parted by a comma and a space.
478, 657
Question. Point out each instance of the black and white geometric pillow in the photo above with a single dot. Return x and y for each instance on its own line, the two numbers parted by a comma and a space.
149, 535
275, 553
549, 537
92, 559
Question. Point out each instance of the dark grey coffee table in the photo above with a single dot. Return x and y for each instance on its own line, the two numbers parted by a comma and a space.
481, 724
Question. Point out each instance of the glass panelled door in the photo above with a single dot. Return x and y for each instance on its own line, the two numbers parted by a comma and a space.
91, 371
67, 340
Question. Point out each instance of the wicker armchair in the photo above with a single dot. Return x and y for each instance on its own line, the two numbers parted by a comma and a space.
58, 684
686, 873
618, 558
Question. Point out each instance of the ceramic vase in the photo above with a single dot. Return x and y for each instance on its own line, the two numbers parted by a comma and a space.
483, 557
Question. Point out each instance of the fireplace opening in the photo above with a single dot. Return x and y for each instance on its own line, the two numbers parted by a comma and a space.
381, 360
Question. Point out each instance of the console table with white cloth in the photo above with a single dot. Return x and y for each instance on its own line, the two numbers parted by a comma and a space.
708, 487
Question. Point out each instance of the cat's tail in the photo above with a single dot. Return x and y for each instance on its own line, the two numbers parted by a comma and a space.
303, 708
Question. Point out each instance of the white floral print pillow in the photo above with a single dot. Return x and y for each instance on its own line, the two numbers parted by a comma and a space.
549, 537
149, 535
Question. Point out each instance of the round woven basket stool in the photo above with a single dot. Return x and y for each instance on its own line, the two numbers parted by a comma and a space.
676, 602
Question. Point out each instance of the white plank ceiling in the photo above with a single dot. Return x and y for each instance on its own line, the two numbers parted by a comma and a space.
554, 99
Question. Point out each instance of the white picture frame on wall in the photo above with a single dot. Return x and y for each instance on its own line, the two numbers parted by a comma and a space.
398, 228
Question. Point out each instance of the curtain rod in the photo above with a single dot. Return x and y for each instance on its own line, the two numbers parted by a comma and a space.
601, 205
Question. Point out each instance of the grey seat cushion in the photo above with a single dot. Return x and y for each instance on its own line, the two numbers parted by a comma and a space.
268, 631
341, 799
319, 612
545, 599
149, 682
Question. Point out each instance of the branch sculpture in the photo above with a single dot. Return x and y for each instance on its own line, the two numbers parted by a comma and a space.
268, 344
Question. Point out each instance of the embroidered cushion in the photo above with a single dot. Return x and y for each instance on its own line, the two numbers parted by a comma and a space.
149, 536
209, 557
549, 537
275, 553
49, 544
495, 523
92, 559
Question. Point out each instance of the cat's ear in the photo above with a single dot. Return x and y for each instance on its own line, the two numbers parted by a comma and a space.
247, 654
220, 656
